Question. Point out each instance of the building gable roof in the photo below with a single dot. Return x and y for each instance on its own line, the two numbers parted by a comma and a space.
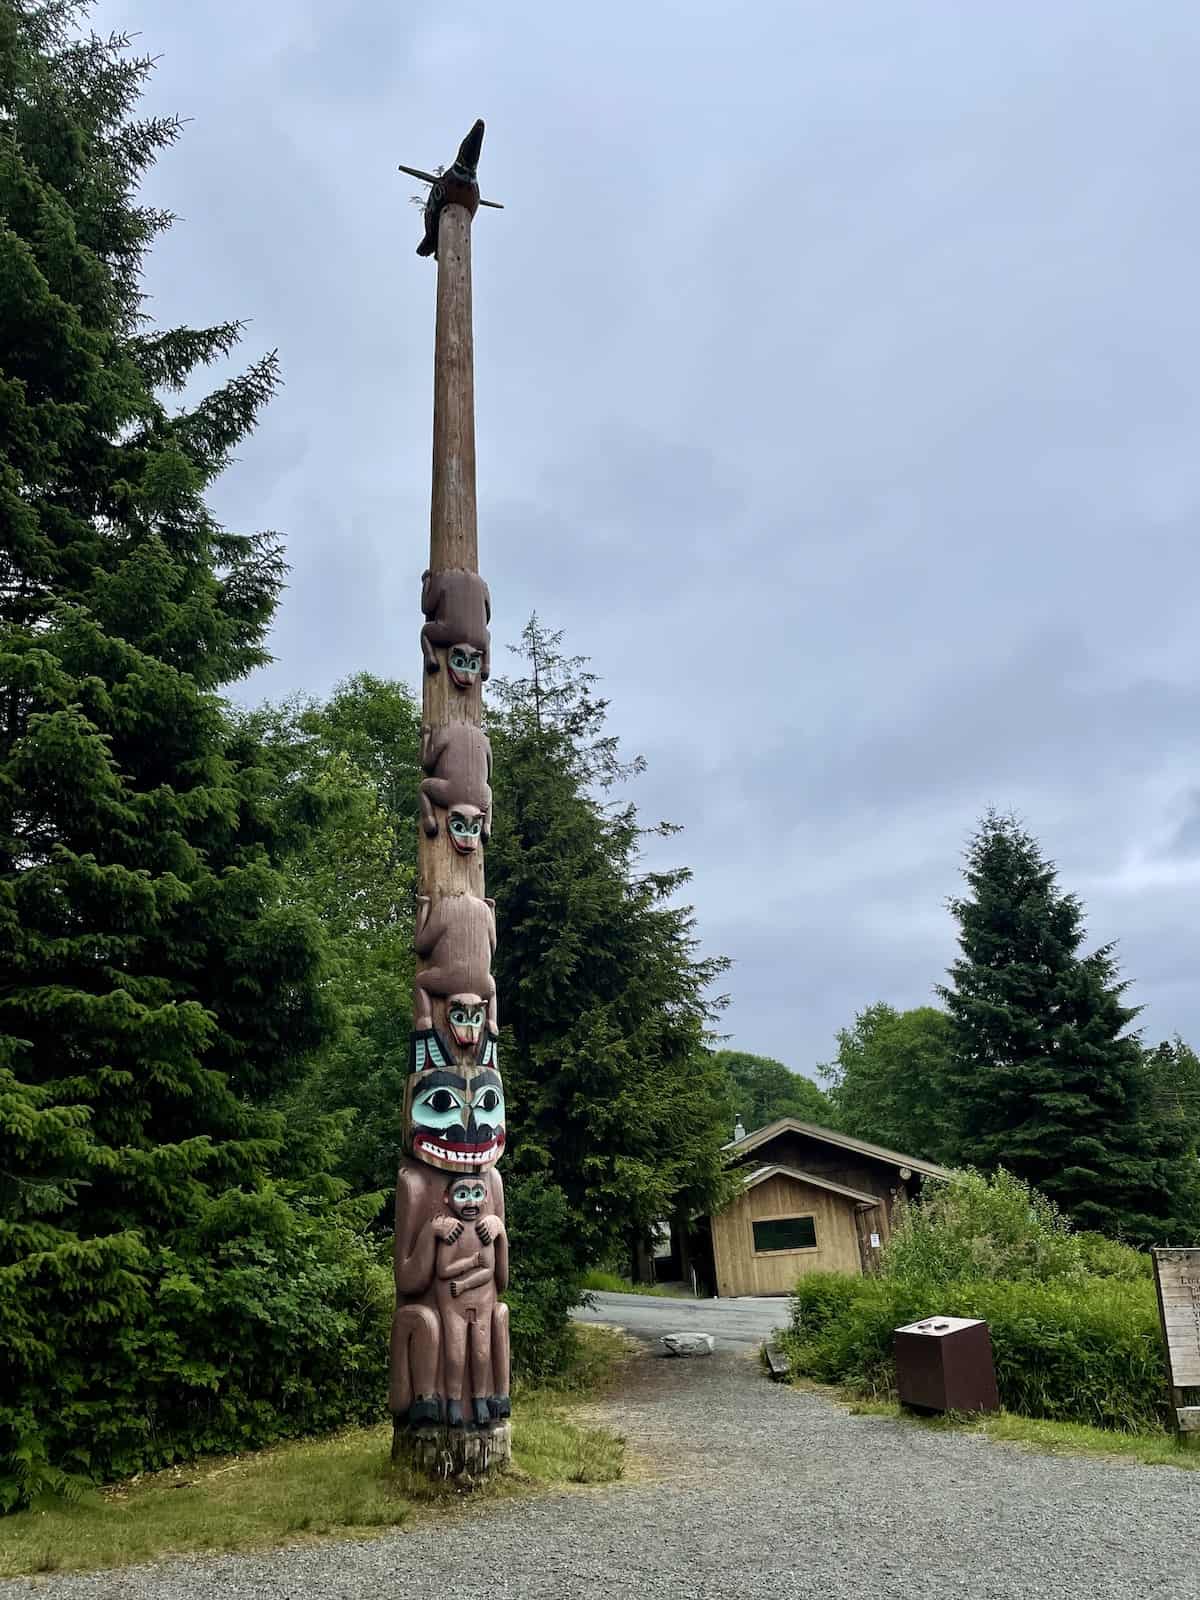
761, 1174
876, 1152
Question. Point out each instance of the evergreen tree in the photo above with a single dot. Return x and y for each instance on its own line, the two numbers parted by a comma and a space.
345, 791
1044, 1078
762, 1090
886, 1084
614, 1098
155, 986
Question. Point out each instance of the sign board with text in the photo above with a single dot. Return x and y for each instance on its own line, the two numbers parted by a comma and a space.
1177, 1275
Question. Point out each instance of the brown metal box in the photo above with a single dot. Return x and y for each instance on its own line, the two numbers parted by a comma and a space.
945, 1364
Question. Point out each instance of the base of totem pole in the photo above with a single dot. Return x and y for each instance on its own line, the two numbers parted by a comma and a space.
466, 1455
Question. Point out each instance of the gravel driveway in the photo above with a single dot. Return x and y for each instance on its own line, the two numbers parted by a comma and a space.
744, 1488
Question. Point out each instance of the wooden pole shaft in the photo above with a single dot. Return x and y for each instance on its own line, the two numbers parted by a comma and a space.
453, 540
453, 531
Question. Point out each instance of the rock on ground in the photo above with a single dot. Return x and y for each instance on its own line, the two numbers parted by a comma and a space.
687, 1344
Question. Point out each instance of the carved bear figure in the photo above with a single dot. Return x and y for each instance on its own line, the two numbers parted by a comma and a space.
471, 1272
458, 758
437, 1374
458, 608
457, 937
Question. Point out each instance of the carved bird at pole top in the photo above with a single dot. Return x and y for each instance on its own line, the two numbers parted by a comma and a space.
458, 186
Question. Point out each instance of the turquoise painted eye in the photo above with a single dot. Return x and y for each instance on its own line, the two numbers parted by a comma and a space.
487, 1100
438, 1108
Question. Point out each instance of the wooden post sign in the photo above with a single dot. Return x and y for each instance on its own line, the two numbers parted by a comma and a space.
1177, 1279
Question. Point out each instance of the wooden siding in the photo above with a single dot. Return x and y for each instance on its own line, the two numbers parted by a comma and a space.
790, 1149
740, 1270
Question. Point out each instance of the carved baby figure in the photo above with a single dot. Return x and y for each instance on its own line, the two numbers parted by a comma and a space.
458, 608
458, 759
457, 936
471, 1271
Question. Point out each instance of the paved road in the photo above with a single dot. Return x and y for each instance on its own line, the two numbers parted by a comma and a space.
734, 1324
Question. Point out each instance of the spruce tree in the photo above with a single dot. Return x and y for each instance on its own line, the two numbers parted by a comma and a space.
155, 989
1043, 1077
615, 1099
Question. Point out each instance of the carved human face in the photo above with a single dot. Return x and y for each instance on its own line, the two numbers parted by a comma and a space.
467, 1197
454, 1118
466, 1014
465, 828
465, 663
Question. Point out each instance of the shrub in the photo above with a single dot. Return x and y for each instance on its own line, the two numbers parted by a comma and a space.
268, 1319
546, 1280
1080, 1351
978, 1228
1102, 1257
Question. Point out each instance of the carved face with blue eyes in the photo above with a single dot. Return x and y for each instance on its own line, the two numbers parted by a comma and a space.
466, 1014
467, 1197
454, 1118
464, 662
465, 828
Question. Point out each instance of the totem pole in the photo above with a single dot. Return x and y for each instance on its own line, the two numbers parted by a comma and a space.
449, 1359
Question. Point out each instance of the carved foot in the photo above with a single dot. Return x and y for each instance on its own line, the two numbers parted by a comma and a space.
454, 1415
499, 1405
482, 1412
425, 1412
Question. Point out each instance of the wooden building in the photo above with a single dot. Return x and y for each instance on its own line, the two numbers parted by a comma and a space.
812, 1200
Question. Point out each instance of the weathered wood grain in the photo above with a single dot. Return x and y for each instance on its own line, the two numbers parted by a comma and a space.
1177, 1279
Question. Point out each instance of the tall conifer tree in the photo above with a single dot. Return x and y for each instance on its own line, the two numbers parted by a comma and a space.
154, 989
1044, 1078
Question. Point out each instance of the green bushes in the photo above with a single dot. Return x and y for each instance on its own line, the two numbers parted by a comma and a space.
979, 1228
545, 1277
1086, 1352
1073, 1318
267, 1319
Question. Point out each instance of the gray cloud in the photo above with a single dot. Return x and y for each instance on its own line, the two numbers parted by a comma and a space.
837, 394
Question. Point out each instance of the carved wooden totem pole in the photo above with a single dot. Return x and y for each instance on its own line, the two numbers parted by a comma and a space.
449, 1360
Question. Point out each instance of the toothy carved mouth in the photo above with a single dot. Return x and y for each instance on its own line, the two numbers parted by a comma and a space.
468, 1155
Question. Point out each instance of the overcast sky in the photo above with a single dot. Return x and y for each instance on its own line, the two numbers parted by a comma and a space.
837, 385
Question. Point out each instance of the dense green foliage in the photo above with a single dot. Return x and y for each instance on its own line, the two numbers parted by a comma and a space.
763, 1090
1043, 1077
1073, 1318
886, 1083
344, 784
998, 1227
174, 1274
1087, 1351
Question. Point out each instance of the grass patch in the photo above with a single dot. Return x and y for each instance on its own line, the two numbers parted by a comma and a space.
1034, 1433
343, 1486
613, 1283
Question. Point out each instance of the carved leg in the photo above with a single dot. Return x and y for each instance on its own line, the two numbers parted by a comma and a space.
431, 661
423, 999
482, 1383
454, 1336
499, 1401
416, 1344
428, 815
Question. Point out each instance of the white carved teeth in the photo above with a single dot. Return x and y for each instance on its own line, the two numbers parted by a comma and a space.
466, 1157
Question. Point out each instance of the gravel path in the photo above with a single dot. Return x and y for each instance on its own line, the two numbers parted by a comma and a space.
745, 1488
